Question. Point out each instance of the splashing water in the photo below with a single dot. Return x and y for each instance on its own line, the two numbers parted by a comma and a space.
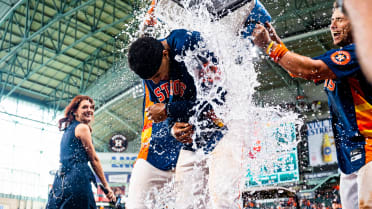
258, 138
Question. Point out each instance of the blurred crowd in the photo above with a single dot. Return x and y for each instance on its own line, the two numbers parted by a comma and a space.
322, 200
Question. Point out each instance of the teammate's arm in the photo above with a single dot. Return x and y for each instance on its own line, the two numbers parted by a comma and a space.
297, 65
305, 67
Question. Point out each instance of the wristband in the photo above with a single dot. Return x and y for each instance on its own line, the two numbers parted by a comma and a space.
278, 52
269, 47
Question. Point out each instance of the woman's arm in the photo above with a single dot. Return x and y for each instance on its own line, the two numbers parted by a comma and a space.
83, 133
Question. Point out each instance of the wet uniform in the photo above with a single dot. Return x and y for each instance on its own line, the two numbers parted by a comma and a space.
179, 93
72, 186
349, 100
159, 150
155, 162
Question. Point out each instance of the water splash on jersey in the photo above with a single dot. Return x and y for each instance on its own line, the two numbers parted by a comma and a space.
258, 138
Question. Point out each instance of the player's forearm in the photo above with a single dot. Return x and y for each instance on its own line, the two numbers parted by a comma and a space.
300, 66
180, 109
295, 64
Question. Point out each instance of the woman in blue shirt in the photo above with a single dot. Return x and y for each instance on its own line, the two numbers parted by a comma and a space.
72, 184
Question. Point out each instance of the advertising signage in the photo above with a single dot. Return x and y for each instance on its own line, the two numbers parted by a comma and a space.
283, 148
321, 143
117, 162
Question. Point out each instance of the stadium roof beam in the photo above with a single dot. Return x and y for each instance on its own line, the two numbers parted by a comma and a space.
67, 48
303, 8
42, 27
33, 92
27, 36
98, 143
83, 80
133, 130
306, 35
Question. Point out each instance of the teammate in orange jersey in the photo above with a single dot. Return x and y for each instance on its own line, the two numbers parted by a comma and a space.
349, 98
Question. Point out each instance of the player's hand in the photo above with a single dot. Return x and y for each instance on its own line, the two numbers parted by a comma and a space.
182, 132
272, 33
110, 195
156, 112
261, 36
147, 28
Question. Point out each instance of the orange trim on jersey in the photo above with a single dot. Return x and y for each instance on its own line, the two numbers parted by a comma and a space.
363, 112
147, 129
363, 109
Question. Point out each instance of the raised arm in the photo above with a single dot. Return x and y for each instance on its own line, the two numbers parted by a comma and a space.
297, 65
305, 67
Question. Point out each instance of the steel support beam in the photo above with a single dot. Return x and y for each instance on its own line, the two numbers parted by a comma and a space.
57, 18
107, 104
295, 12
81, 66
306, 35
99, 143
132, 129
26, 118
45, 25
66, 49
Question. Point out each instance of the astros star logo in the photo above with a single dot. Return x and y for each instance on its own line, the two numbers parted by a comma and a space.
341, 57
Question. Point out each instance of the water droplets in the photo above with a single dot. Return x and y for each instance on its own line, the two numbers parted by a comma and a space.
267, 134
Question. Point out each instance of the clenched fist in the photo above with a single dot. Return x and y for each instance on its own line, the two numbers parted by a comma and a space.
156, 112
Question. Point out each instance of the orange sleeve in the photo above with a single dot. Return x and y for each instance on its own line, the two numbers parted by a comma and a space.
147, 129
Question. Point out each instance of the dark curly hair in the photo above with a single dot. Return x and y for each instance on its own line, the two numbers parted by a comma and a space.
144, 56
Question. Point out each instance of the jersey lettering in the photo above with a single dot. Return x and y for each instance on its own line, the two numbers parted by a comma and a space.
165, 86
176, 87
162, 92
182, 88
329, 84
159, 94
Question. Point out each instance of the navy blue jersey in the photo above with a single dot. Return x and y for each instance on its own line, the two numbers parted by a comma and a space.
179, 95
349, 100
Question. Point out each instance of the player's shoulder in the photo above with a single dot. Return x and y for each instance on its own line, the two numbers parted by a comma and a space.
179, 33
343, 56
180, 30
350, 47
